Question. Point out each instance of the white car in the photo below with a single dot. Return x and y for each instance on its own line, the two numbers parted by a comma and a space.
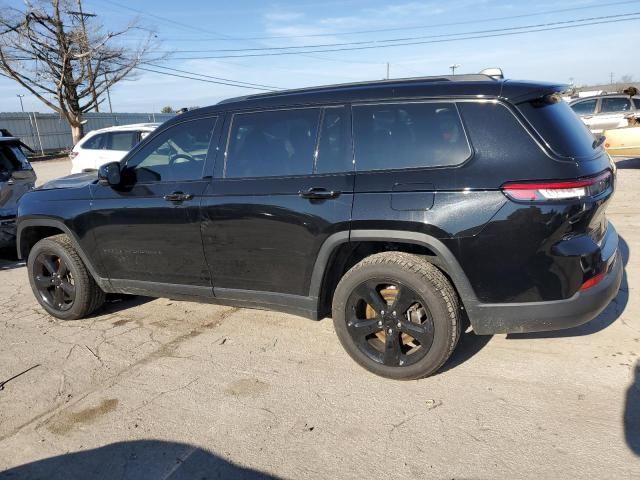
107, 145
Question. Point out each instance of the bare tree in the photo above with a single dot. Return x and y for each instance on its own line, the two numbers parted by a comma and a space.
65, 58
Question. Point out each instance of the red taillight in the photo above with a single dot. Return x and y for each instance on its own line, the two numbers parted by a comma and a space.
561, 190
593, 281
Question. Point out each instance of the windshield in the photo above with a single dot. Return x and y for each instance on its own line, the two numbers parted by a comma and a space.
560, 127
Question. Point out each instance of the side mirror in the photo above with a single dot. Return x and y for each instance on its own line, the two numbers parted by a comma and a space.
109, 174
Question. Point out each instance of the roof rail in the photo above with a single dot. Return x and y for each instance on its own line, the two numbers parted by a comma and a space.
473, 77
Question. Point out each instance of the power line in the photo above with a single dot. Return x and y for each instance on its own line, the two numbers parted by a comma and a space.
271, 87
202, 79
377, 30
406, 39
445, 40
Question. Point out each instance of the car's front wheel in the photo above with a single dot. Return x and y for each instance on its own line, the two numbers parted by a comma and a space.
60, 281
397, 315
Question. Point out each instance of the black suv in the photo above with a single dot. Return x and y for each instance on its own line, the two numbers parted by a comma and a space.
399, 208
16, 178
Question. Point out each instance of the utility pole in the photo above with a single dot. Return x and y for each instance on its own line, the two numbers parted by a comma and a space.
108, 94
80, 14
611, 78
453, 68
19, 95
387, 70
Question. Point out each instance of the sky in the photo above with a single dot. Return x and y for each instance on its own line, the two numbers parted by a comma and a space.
200, 28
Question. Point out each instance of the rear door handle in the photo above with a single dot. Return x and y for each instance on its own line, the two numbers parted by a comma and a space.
178, 197
318, 194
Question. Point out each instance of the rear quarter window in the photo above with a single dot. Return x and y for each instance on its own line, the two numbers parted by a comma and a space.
559, 127
408, 135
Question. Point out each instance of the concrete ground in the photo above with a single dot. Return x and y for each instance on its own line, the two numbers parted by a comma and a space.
166, 390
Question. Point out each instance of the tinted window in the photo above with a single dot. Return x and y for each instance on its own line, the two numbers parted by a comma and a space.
97, 142
276, 143
408, 135
584, 108
615, 105
122, 141
636, 102
8, 162
333, 148
559, 126
176, 154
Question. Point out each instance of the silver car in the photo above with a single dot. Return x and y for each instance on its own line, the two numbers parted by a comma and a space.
605, 112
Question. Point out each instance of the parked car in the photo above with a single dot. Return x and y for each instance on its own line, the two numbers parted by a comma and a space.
606, 112
399, 208
16, 178
623, 141
107, 145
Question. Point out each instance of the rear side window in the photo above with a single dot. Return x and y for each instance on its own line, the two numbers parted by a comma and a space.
272, 143
97, 142
636, 102
587, 107
408, 135
615, 104
122, 141
559, 127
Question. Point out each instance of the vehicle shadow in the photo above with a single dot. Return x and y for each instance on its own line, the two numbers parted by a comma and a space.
632, 413
468, 346
116, 303
628, 163
9, 259
139, 460
613, 311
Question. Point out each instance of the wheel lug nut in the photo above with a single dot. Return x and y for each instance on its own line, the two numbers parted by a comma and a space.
398, 325
379, 323
390, 331
394, 313
381, 312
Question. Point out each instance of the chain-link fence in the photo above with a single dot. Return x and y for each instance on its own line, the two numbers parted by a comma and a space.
48, 132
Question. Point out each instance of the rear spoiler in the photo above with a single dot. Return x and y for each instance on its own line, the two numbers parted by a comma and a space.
24, 145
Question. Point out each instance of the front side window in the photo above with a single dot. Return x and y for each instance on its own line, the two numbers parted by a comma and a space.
408, 135
122, 141
97, 142
273, 143
178, 154
586, 107
615, 104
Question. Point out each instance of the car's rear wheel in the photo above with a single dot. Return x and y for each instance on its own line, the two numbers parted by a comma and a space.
60, 281
397, 315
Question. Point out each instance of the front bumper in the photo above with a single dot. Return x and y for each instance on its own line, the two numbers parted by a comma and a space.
7, 232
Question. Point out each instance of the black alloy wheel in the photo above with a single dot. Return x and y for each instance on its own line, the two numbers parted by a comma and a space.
389, 322
54, 281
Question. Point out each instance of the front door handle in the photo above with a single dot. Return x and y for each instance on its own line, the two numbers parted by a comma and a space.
318, 194
178, 197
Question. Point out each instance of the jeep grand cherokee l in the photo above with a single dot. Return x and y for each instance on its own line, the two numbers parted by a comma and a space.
396, 207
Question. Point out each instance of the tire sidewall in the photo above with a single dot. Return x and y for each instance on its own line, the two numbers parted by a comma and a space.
444, 327
50, 247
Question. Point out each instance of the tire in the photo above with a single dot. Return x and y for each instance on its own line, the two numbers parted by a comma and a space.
434, 316
55, 261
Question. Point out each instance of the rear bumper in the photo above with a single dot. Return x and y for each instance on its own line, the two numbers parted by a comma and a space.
545, 316
7, 232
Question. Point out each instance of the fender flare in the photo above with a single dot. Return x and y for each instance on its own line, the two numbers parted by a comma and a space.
444, 258
24, 224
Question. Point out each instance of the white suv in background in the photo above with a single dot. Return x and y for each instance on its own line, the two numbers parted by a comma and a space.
107, 145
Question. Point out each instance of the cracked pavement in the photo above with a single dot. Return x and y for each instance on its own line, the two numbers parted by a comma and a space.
167, 389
